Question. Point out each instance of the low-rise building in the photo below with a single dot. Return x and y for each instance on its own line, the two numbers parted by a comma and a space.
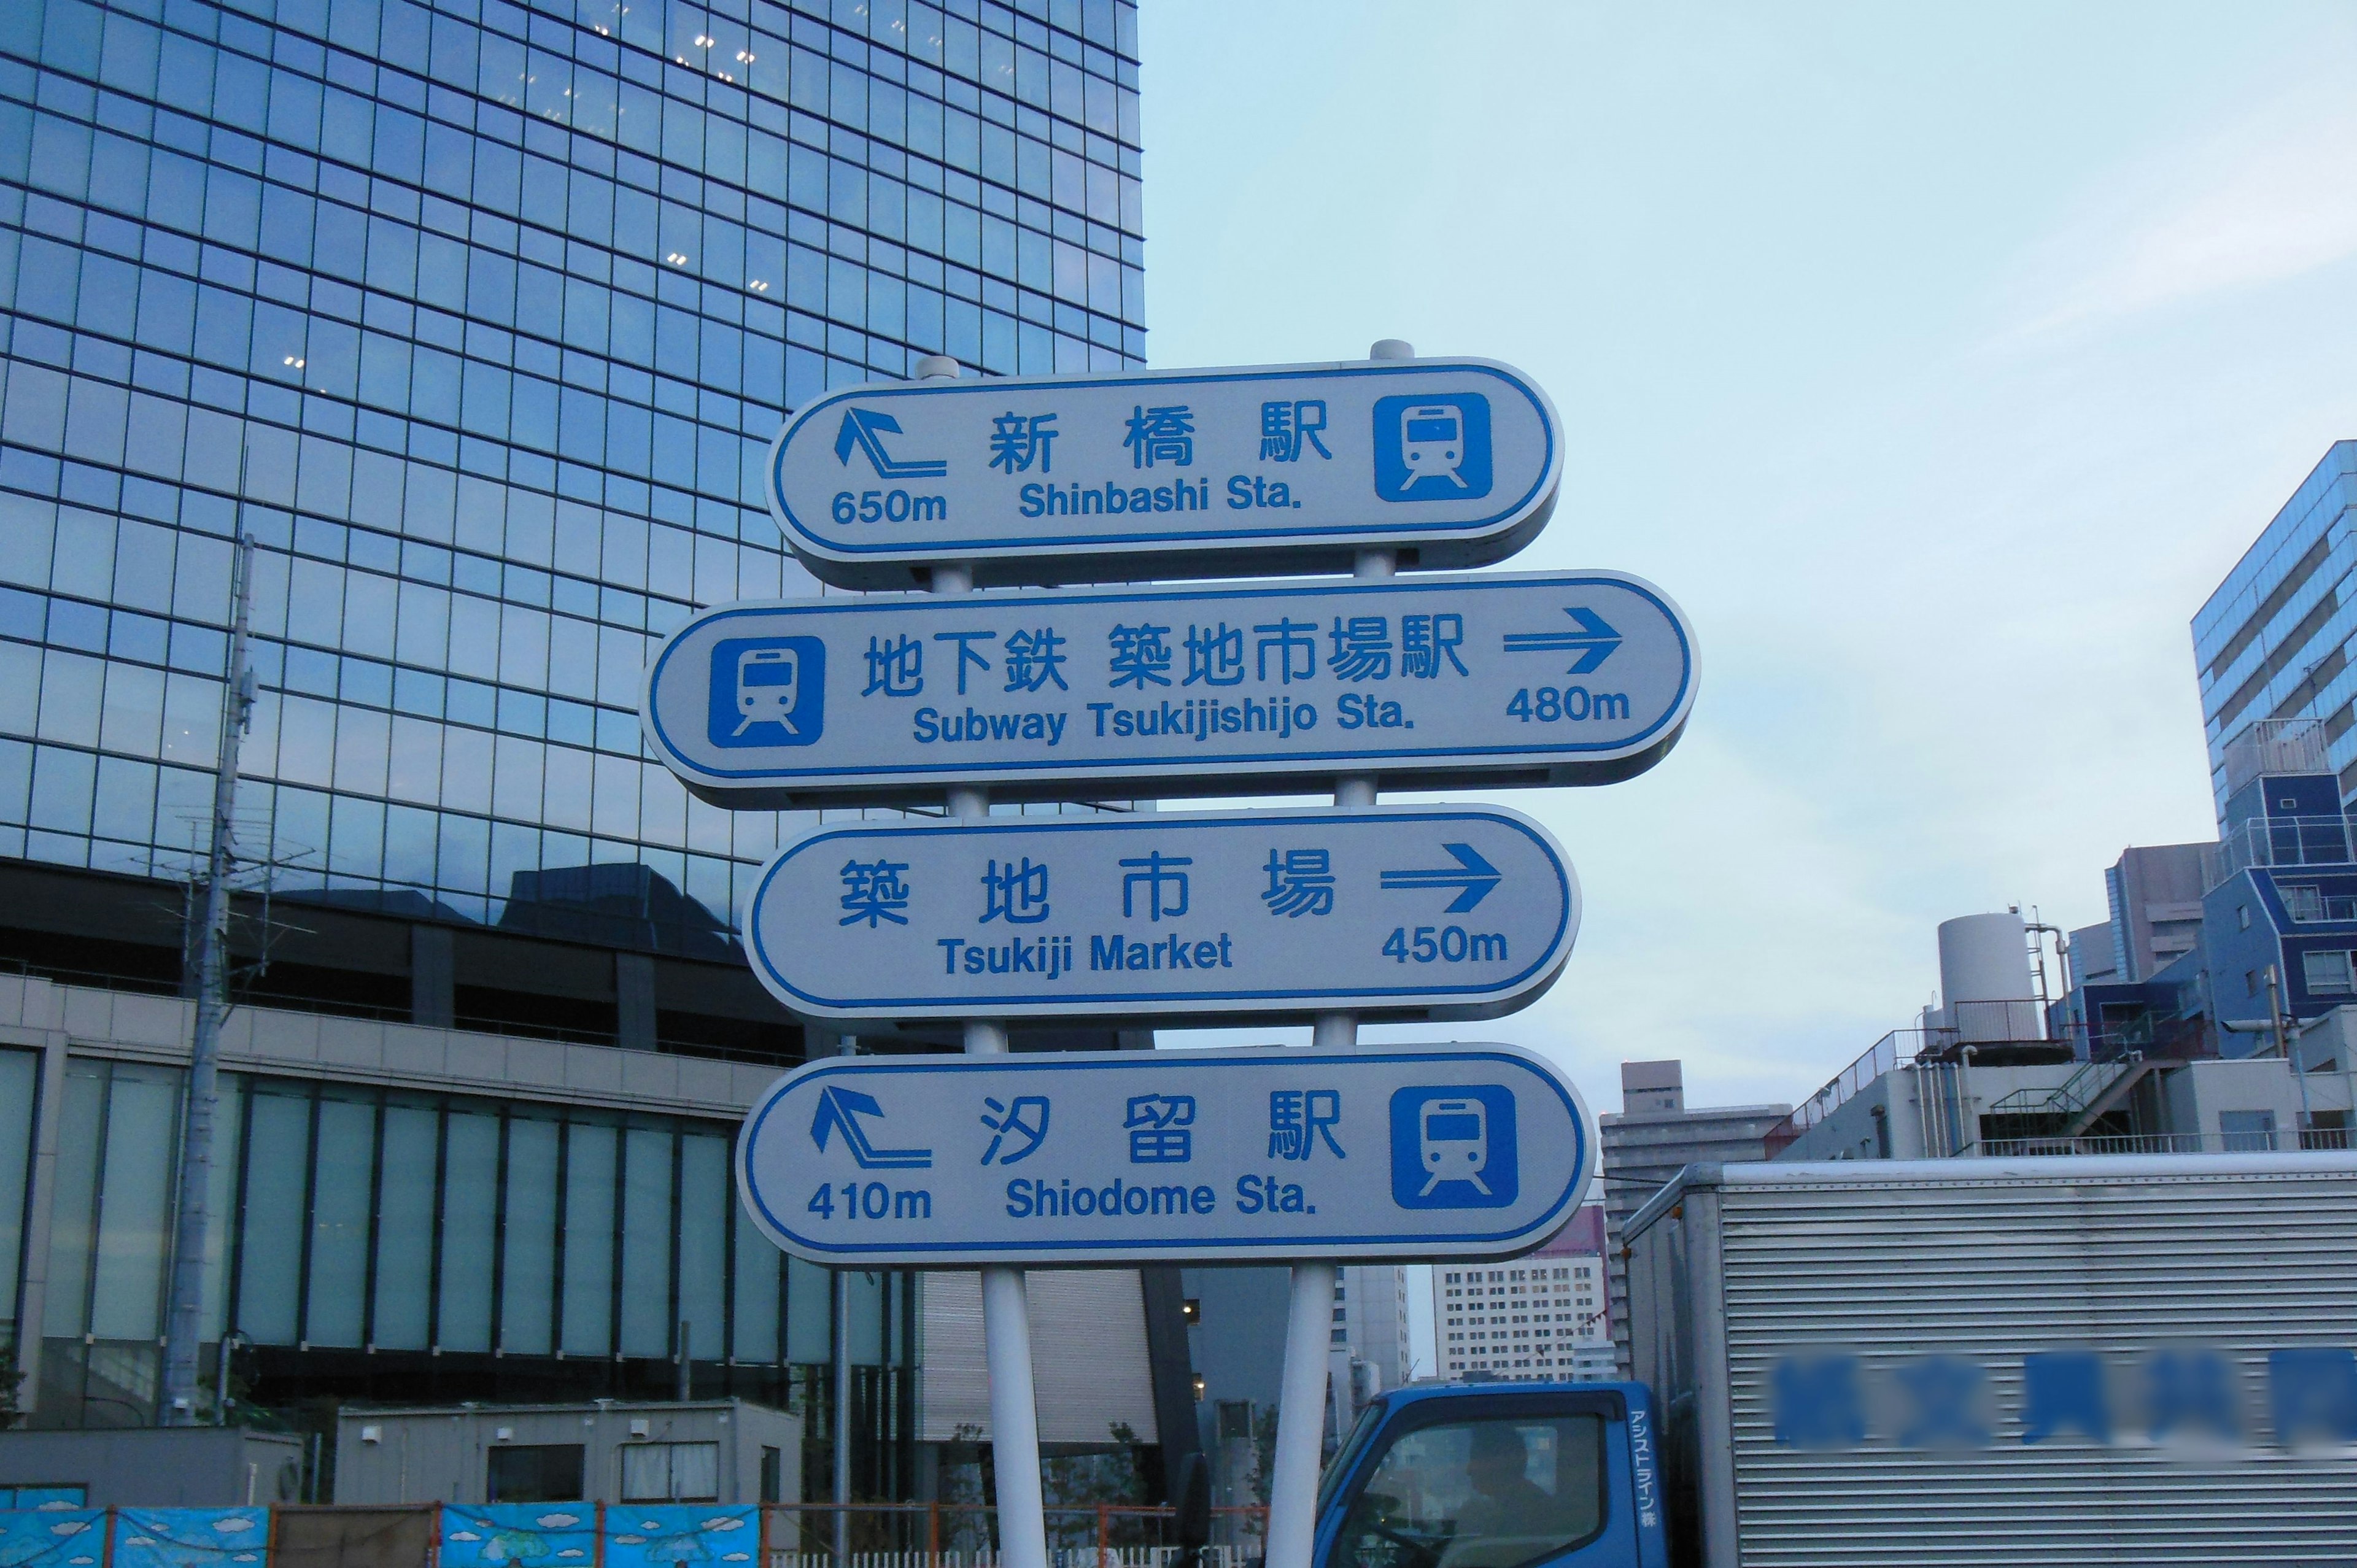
720, 1451
1973, 1080
1654, 1137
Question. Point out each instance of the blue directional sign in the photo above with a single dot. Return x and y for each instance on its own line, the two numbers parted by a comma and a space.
1552, 678
1260, 470
1459, 1151
1400, 912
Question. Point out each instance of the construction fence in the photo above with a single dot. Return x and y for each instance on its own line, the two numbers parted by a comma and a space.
599, 1535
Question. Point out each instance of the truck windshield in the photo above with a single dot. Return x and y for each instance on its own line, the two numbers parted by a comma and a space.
1495, 1493
1348, 1455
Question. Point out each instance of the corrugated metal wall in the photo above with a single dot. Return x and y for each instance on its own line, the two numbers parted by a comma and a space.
1088, 1366
1990, 1272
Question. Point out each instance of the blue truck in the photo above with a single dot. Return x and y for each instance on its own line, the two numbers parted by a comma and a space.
1497, 1476
2101, 1362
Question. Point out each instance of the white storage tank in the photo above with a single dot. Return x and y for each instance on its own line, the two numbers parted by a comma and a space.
1984, 979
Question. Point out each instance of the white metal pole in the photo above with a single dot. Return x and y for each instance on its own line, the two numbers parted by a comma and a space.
1301, 1391
839, 1372
1006, 1301
1300, 1418
1006, 1343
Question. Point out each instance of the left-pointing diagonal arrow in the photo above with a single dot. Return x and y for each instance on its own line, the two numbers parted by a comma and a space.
1594, 641
838, 1109
1471, 875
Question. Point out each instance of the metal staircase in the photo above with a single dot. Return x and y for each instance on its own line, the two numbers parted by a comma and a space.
2083, 1097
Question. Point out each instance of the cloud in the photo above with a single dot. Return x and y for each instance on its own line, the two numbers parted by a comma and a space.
2259, 201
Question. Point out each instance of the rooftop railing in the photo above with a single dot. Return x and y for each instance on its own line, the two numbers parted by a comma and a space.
2277, 746
2260, 1142
2278, 842
1985, 1025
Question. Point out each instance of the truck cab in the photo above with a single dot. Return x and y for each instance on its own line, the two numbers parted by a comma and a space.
1496, 1475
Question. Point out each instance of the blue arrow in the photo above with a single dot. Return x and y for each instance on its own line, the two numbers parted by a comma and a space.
1473, 875
837, 1109
864, 429
1595, 641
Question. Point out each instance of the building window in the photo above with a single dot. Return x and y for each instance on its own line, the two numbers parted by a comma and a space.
2248, 1132
2243, 916
2303, 901
536, 1473
2327, 972
671, 1472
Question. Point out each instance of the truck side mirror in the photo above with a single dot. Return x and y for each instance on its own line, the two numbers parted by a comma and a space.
1191, 1502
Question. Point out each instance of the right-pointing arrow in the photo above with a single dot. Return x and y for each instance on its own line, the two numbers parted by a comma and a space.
1472, 875
1595, 640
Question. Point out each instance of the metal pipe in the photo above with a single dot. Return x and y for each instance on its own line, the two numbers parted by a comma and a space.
1005, 1298
839, 1372
1300, 1418
220, 1377
2283, 1048
175, 1403
1301, 1390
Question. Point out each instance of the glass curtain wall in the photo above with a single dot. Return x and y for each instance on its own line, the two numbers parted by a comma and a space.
20, 1082
398, 1245
484, 314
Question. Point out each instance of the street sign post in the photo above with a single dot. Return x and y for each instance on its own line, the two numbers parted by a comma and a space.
1459, 1151
1528, 679
953, 697
1394, 912
1264, 470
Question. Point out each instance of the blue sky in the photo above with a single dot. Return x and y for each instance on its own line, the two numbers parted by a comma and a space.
1938, 359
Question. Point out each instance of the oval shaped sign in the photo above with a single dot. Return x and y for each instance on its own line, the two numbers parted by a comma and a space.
1394, 912
1232, 689
1129, 1156
1265, 470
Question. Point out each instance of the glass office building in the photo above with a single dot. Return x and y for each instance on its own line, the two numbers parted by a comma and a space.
2272, 642
479, 317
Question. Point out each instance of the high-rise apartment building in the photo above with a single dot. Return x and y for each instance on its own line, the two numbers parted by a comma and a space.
1654, 1137
1543, 1317
1370, 1321
478, 318
2272, 640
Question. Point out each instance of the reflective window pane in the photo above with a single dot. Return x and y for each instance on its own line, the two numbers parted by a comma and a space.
591, 1164
270, 1249
528, 1242
470, 1178
337, 1292
405, 1247
142, 1140
647, 1324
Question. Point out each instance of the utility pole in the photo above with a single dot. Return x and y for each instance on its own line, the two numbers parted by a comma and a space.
2283, 1036
208, 955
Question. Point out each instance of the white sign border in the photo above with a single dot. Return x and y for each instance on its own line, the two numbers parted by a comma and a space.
1568, 762
1268, 550
1241, 1008
1256, 1250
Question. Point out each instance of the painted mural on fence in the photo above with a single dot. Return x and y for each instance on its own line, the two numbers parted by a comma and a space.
642, 1535
51, 1538
519, 1535
190, 1538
